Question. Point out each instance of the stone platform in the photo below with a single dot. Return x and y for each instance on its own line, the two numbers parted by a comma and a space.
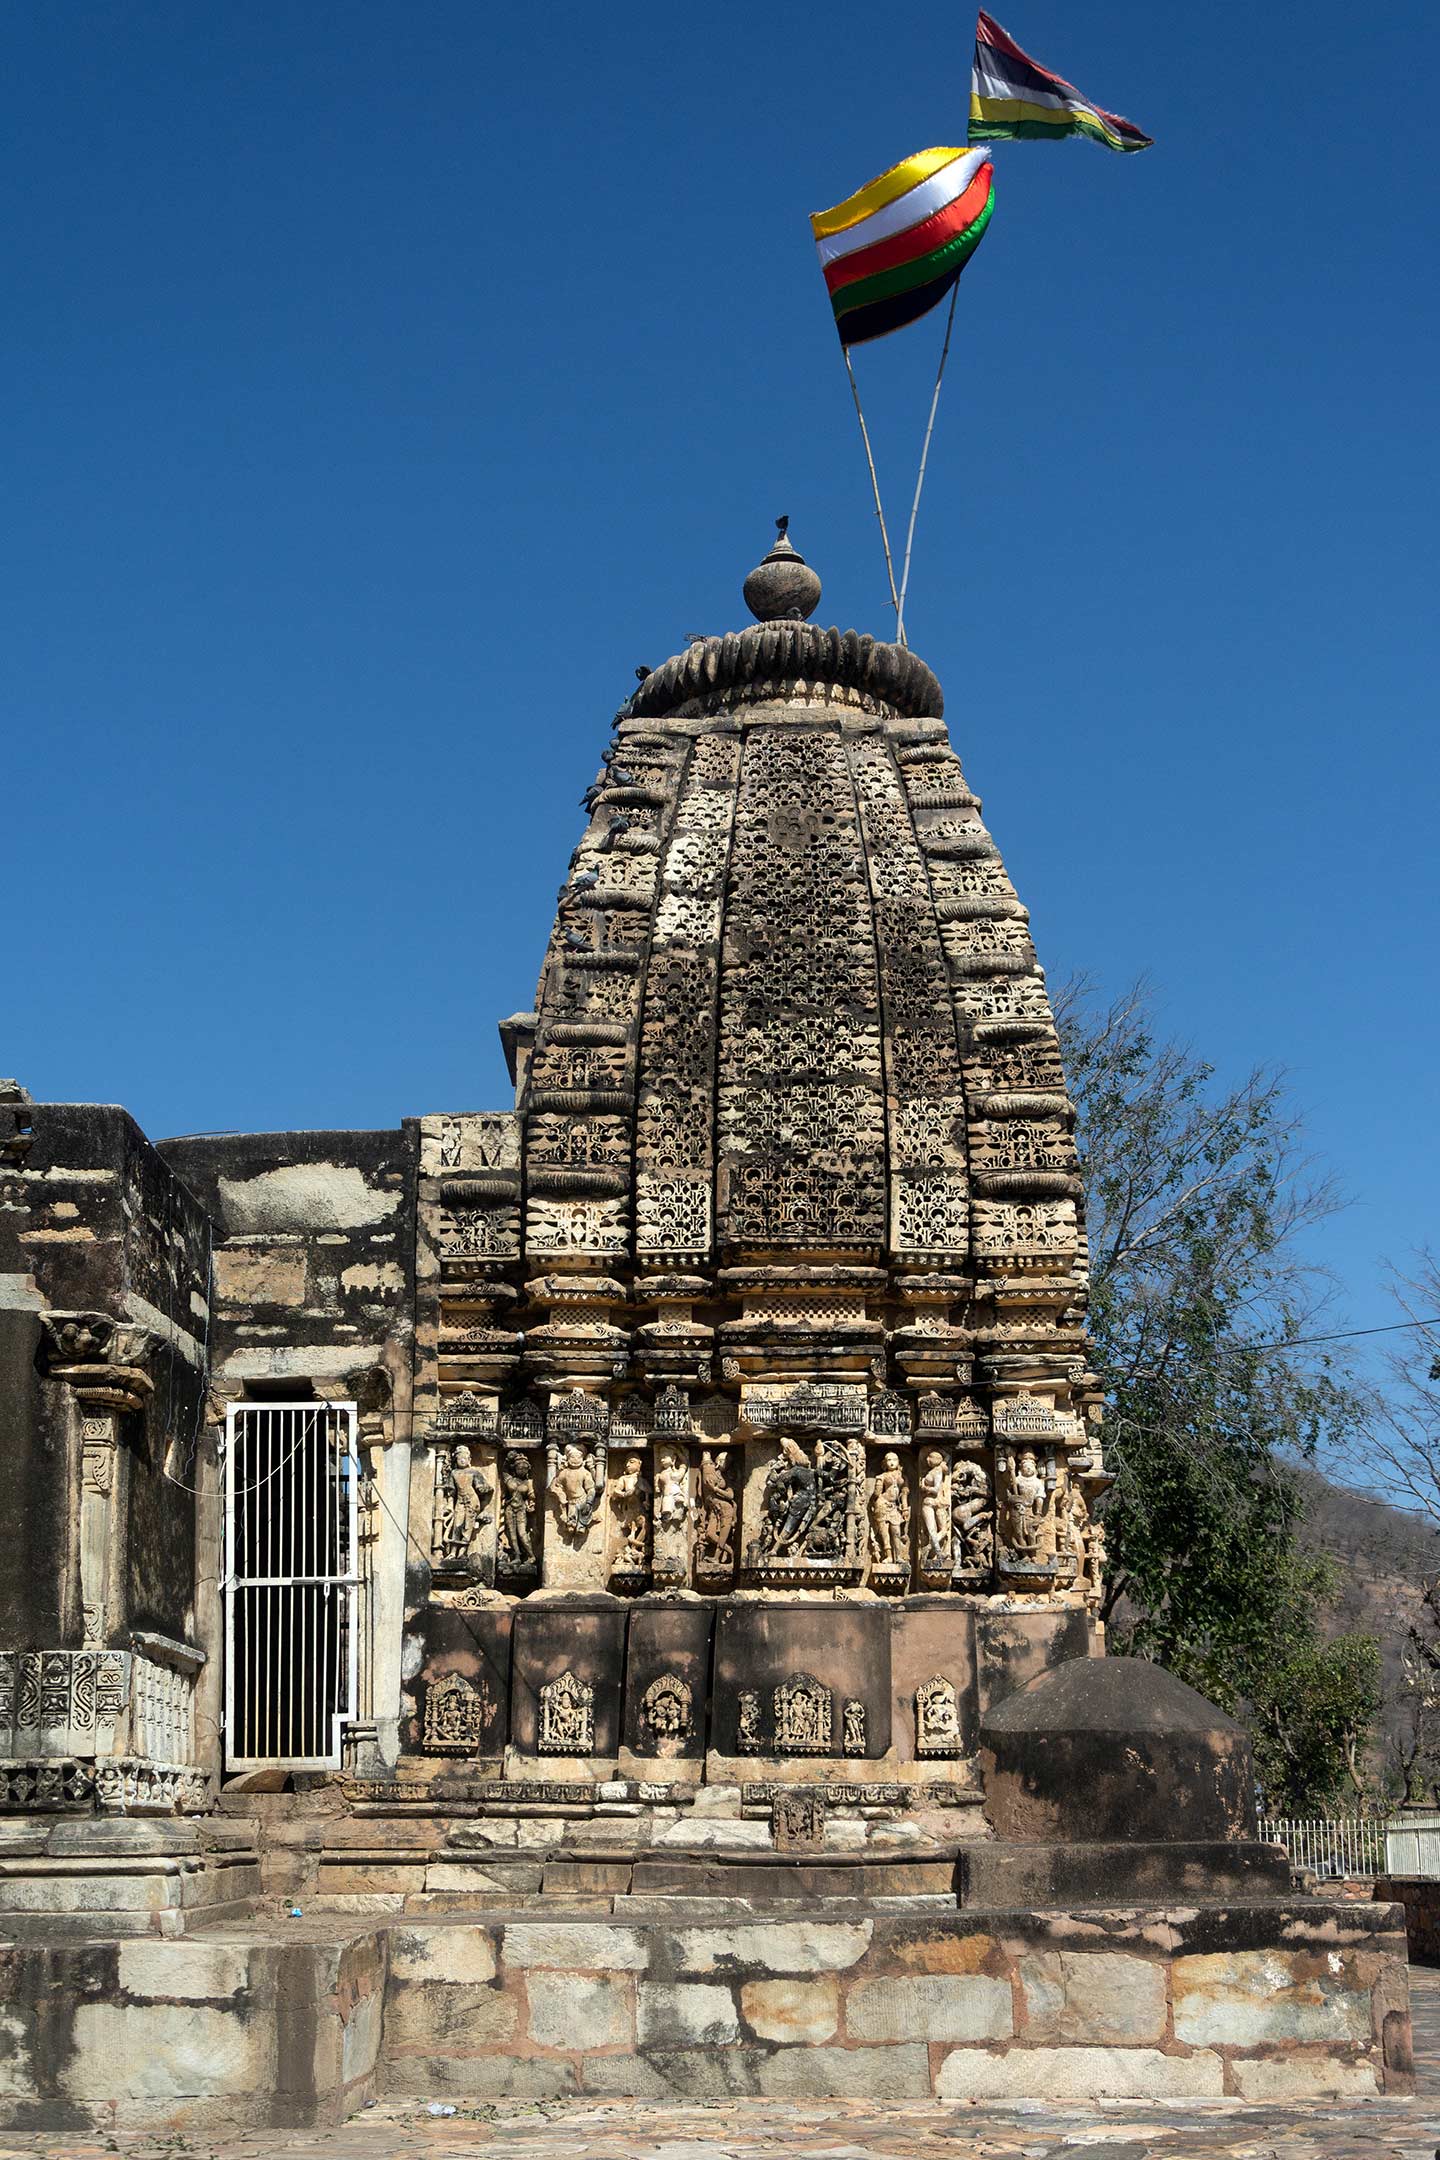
751, 2129
309, 2022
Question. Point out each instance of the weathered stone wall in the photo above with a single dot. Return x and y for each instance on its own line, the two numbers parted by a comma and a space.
1252, 2003
94, 1222
1419, 1898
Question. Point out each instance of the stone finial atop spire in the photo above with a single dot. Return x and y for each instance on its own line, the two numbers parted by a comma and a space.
783, 587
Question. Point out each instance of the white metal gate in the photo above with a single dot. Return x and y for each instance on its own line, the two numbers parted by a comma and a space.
291, 1573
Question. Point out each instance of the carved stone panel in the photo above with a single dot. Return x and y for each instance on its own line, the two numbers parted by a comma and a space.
667, 1715
567, 1717
454, 1716
937, 1718
804, 1716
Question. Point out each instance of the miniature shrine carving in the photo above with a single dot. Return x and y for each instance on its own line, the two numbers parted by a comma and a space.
937, 1719
667, 1714
804, 1716
567, 1717
454, 1716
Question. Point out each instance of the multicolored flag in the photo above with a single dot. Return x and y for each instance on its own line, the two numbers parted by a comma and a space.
1014, 99
890, 251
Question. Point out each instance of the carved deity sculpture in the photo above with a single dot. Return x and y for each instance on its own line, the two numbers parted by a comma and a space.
673, 1504
854, 1727
749, 1722
667, 1714
574, 1493
630, 1506
517, 1551
467, 1511
453, 1715
717, 1512
937, 1720
889, 1514
789, 1499
567, 1717
970, 1516
1023, 1505
935, 1510
804, 1716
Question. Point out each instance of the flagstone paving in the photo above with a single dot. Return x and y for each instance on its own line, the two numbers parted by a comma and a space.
828, 2129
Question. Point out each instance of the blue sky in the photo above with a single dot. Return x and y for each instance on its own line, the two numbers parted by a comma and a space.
381, 384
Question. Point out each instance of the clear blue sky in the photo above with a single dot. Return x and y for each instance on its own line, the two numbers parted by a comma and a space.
381, 383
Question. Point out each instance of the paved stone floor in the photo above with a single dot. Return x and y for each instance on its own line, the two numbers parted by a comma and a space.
829, 2129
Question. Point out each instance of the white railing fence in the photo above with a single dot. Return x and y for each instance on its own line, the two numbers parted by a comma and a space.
1333, 1846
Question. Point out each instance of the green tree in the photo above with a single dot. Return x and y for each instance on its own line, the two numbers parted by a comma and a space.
1198, 1199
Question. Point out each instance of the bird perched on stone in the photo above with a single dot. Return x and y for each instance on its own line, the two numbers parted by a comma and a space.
591, 796
619, 777
583, 880
618, 825
642, 672
577, 941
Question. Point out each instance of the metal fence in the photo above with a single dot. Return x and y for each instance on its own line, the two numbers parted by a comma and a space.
1332, 1847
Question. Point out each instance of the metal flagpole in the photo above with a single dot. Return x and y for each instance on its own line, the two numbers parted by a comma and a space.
924, 454
895, 600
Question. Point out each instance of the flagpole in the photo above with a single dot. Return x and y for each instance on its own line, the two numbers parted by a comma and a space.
895, 600
924, 455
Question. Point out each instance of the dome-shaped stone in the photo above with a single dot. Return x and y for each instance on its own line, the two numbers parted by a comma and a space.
1115, 1748
783, 587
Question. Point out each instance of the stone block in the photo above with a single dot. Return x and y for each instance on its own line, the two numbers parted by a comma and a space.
664, 1640
686, 2013
489, 2077
674, 2074
571, 1947
833, 2073
760, 1645
1303, 2076
791, 2011
247, 1275
1254, 1998
717, 1831
1078, 2073
930, 2006
190, 1970
360, 2044
156, 2051
578, 2012
1102, 1998
781, 1946
436, 2017
463, 1955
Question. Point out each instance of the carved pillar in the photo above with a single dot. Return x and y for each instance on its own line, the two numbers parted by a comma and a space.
103, 1361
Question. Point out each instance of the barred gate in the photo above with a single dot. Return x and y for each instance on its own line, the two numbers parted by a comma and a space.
1331, 1847
291, 1575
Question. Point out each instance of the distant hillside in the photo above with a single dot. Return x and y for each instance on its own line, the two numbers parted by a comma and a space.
1386, 1555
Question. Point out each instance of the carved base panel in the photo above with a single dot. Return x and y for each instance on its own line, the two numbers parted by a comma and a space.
116, 1785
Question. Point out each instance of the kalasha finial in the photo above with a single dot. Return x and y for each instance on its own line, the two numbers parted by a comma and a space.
783, 588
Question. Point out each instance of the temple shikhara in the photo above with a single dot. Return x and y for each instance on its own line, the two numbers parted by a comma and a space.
598, 1593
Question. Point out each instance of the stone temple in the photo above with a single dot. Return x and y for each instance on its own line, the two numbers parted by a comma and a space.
598, 1595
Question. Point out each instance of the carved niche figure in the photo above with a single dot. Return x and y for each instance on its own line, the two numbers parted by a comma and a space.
673, 1504
567, 1717
749, 1722
630, 1509
935, 1512
462, 1511
854, 1727
454, 1716
797, 1820
971, 1520
667, 1714
937, 1718
517, 1489
717, 1513
789, 1500
1024, 1507
574, 1492
804, 1716
890, 1515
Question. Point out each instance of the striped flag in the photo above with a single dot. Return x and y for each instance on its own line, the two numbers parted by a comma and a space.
1013, 99
897, 246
